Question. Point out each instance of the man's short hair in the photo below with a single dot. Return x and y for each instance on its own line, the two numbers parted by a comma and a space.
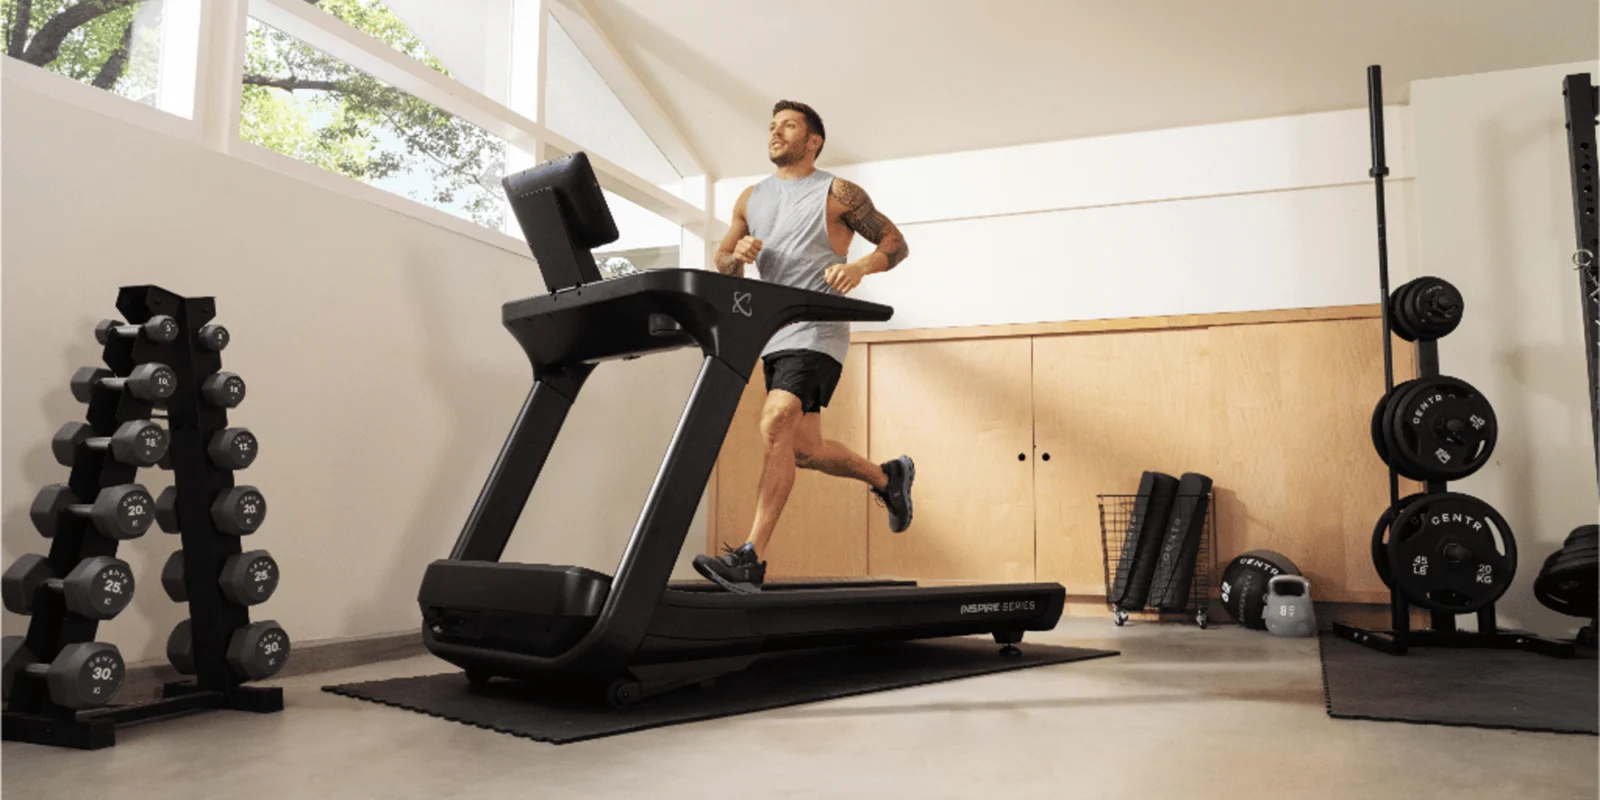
813, 120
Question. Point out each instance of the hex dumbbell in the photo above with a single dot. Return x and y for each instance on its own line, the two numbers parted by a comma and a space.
213, 337
118, 512
222, 390
149, 382
233, 448
238, 511
246, 580
258, 650
160, 329
139, 442
82, 675
98, 588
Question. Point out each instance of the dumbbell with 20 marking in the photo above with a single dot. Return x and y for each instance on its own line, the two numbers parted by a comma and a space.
118, 512
238, 511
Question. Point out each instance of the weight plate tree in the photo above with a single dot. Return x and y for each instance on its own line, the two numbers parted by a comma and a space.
1443, 551
165, 357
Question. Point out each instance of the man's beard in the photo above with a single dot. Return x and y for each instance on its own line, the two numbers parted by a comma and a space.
786, 158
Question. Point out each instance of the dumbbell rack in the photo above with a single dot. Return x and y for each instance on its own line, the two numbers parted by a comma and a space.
1444, 631
30, 715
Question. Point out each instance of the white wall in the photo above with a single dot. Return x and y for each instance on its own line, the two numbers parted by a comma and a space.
381, 382
1244, 216
1494, 204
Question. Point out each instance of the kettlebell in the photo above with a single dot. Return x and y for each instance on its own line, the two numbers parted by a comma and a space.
1289, 611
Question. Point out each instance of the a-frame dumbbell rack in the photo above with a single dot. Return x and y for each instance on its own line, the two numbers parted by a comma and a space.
30, 714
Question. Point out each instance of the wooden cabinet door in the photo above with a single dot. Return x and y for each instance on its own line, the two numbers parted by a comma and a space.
962, 411
1107, 407
823, 530
1298, 473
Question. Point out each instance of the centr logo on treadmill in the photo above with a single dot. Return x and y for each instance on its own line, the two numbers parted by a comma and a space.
996, 608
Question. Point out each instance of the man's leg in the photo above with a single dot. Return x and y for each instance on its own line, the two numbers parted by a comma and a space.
811, 451
780, 419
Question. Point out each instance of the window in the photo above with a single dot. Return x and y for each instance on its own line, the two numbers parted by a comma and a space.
119, 47
303, 103
581, 107
645, 238
468, 41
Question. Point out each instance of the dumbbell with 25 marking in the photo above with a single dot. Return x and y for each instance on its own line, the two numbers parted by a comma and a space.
247, 578
98, 588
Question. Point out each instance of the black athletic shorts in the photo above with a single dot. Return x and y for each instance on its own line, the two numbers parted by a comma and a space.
807, 374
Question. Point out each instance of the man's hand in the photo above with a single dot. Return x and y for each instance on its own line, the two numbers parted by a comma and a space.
844, 277
747, 249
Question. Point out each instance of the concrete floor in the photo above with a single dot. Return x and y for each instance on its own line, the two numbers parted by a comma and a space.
1224, 713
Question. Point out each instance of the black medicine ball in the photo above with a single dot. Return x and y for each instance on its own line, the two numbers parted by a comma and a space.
1244, 585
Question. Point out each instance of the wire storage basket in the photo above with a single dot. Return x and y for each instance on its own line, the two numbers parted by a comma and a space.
1117, 512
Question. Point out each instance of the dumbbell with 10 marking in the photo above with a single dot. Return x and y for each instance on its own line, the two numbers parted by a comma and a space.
98, 588
149, 382
255, 651
238, 511
83, 675
247, 578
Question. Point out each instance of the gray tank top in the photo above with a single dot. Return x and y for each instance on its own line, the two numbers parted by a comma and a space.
790, 217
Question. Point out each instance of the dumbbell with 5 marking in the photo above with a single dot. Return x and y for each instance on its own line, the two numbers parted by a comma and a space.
159, 329
246, 580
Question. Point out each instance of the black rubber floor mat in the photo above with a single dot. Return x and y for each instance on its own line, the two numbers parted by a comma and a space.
1473, 687
773, 682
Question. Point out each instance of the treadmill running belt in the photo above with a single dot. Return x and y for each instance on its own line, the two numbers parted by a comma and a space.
775, 681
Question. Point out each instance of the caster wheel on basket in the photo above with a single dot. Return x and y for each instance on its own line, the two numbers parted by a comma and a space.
1120, 616
1200, 618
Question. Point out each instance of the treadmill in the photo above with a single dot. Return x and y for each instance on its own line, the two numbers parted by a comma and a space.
636, 634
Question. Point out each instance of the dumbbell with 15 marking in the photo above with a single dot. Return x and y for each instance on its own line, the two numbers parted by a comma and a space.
247, 578
139, 442
98, 588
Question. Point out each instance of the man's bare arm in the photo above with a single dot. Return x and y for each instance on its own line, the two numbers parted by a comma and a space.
861, 216
728, 263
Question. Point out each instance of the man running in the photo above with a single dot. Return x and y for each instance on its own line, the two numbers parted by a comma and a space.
796, 227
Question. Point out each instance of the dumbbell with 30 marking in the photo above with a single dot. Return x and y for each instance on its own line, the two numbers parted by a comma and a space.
98, 588
237, 511
159, 329
138, 442
118, 512
258, 650
247, 578
83, 675
149, 382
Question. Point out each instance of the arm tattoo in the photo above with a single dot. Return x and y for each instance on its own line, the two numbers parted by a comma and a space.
861, 216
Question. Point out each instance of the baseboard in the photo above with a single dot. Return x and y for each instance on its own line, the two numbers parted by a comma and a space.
144, 681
